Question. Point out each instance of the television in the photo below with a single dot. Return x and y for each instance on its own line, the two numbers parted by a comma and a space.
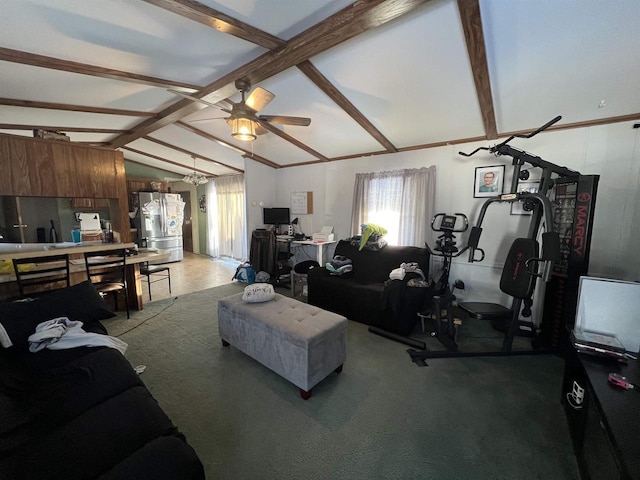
275, 216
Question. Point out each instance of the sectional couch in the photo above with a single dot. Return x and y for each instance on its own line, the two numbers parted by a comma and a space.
367, 294
80, 413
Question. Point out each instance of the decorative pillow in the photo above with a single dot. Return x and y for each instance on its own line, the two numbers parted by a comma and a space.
258, 292
79, 302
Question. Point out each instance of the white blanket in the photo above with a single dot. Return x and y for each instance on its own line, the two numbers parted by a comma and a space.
61, 333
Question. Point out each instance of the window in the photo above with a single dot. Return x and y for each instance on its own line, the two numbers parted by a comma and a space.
400, 201
226, 217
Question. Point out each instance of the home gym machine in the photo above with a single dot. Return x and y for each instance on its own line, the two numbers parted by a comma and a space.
564, 201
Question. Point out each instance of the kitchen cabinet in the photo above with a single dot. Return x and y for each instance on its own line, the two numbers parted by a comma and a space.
34, 167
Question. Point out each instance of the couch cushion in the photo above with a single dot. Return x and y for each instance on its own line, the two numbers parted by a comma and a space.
40, 398
79, 302
91, 443
374, 266
166, 458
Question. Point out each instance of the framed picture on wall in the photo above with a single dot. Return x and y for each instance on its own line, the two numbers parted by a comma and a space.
488, 181
517, 208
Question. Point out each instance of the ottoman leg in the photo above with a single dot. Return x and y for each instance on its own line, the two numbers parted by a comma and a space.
339, 369
225, 343
305, 395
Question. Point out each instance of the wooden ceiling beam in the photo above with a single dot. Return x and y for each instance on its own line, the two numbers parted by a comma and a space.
73, 108
241, 151
26, 58
476, 49
166, 160
587, 123
192, 154
334, 94
349, 22
12, 126
275, 130
224, 23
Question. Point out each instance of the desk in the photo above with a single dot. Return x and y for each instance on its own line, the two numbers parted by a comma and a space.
604, 427
317, 244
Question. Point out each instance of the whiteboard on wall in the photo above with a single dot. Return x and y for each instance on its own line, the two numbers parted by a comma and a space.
301, 203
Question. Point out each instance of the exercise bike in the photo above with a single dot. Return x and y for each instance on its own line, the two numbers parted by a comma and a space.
443, 295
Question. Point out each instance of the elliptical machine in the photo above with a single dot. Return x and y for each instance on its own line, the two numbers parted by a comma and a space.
443, 295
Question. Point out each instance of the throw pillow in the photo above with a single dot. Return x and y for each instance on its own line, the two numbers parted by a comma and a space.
258, 292
79, 302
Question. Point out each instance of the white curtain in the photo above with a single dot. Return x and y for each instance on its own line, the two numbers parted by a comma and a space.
226, 217
402, 201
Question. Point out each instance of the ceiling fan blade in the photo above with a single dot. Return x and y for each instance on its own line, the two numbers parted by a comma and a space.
259, 98
260, 130
285, 120
220, 105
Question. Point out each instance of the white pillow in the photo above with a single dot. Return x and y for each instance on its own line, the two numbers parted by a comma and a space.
258, 292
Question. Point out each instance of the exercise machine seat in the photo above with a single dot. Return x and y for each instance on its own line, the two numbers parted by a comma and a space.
515, 281
485, 310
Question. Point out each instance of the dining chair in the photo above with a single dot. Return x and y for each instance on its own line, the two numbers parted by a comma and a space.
39, 275
106, 270
162, 271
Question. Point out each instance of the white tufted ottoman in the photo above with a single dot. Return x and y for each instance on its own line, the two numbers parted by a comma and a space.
300, 342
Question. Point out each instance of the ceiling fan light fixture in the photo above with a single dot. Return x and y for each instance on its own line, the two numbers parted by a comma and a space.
243, 129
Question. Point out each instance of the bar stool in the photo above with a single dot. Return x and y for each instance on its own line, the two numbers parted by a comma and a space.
162, 271
40, 275
106, 270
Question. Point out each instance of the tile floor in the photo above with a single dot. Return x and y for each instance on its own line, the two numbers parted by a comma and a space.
193, 273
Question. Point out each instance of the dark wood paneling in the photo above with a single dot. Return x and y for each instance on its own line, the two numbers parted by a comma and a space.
34, 167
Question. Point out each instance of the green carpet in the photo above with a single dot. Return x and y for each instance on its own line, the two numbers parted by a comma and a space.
383, 417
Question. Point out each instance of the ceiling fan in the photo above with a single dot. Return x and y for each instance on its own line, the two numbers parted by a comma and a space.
243, 117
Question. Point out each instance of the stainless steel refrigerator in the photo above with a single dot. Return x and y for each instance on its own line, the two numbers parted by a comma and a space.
159, 221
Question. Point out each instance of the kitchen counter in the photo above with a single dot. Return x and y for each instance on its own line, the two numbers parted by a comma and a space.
77, 265
9, 251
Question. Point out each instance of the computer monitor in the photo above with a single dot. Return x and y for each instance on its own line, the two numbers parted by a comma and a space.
276, 216
610, 307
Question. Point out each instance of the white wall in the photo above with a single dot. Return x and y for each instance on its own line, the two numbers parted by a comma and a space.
260, 187
611, 151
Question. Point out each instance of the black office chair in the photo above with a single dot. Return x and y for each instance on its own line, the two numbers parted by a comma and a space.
106, 270
162, 271
40, 275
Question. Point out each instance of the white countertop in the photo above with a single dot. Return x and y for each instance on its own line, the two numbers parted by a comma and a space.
26, 250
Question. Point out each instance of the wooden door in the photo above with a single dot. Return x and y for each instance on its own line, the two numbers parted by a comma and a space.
187, 225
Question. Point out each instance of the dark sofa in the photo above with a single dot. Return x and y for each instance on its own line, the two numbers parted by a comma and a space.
80, 413
366, 294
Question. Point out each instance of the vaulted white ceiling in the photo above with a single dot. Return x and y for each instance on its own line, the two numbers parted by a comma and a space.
374, 77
